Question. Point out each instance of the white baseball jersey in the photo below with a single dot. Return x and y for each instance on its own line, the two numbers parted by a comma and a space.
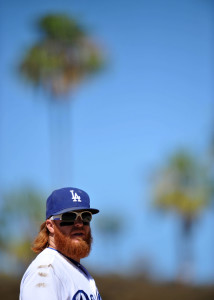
53, 276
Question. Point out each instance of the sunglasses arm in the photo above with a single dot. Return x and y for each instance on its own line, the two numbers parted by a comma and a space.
56, 217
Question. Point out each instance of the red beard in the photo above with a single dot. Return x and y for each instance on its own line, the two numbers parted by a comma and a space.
76, 249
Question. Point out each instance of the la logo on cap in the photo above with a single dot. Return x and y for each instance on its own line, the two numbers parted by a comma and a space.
75, 196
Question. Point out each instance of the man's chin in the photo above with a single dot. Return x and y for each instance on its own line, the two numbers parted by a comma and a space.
78, 248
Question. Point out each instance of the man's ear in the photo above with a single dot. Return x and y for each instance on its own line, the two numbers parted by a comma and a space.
50, 226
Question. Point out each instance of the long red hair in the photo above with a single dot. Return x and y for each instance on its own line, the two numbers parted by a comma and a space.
41, 241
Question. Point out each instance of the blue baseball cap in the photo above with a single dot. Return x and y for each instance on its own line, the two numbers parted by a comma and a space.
68, 199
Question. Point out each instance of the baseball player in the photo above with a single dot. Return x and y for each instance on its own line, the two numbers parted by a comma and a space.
64, 238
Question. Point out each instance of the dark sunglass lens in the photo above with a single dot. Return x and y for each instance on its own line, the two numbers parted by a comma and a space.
67, 223
86, 217
69, 216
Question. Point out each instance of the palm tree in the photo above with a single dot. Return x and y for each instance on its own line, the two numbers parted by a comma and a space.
182, 186
57, 63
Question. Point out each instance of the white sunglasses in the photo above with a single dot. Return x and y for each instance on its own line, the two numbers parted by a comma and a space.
71, 216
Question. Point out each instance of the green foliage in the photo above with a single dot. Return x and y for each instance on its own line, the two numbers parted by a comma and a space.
182, 185
61, 28
62, 57
39, 63
24, 203
21, 214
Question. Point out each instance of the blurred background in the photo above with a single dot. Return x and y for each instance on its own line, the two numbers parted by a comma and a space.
115, 98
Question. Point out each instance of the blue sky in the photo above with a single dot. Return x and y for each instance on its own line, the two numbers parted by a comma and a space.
154, 97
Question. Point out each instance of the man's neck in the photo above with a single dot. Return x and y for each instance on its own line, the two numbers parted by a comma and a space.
71, 258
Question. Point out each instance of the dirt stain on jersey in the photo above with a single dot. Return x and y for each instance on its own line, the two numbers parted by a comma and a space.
43, 274
45, 266
41, 284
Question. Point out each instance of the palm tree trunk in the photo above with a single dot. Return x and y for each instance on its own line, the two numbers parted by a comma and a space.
185, 250
60, 143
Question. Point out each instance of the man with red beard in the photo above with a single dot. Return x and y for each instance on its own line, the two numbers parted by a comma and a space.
64, 239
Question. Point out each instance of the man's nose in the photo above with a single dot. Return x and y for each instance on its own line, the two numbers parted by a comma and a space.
78, 222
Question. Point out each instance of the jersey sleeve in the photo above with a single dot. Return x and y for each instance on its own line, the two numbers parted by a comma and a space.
42, 284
